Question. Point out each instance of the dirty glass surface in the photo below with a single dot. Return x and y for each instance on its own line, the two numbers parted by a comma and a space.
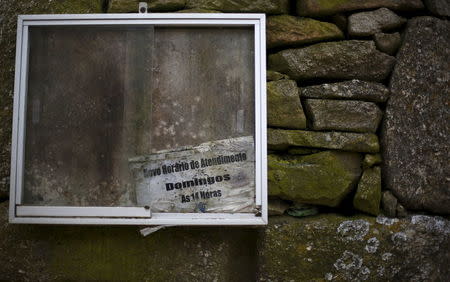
103, 101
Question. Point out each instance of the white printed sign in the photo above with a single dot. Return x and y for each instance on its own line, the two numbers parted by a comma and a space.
214, 177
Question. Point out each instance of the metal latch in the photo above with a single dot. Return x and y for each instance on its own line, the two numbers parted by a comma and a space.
143, 8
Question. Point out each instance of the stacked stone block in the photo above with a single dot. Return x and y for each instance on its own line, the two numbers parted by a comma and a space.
342, 92
344, 85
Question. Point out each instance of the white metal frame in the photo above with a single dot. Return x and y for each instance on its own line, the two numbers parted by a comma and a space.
19, 213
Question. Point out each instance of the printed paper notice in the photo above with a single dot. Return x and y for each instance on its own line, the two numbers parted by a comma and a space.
214, 177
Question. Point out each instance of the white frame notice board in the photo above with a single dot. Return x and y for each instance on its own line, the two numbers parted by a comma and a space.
20, 213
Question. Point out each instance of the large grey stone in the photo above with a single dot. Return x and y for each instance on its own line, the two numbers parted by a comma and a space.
334, 60
388, 42
324, 178
355, 116
279, 139
263, 6
330, 247
351, 89
416, 127
438, 7
369, 23
288, 30
284, 107
330, 7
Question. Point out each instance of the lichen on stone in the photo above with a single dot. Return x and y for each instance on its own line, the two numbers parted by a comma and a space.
372, 245
353, 230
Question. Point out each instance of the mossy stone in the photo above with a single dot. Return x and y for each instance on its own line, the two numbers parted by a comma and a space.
302, 151
166, 5
280, 139
120, 253
286, 30
331, 247
318, 8
261, 6
123, 6
348, 59
274, 76
198, 10
284, 107
371, 159
353, 116
348, 90
368, 194
324, 178
277, 206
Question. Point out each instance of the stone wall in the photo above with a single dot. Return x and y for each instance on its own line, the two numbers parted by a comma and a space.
358, 117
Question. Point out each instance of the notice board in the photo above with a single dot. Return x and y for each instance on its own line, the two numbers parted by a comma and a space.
140, 119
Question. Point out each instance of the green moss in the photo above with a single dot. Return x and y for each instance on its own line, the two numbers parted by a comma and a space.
331, 4
302, 151
166, 5
76, 6
371, 160
330, 7
198, 10
263, 6
324, 178
174, 254
309, 248
320, 7
274, 76
123, 6
285, 30
283, 104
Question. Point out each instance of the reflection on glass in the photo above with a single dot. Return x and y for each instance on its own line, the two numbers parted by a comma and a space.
99, 96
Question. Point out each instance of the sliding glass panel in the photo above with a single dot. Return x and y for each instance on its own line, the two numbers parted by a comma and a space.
203, 98
88, 111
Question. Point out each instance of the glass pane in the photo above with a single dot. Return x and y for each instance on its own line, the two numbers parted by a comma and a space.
103, 101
